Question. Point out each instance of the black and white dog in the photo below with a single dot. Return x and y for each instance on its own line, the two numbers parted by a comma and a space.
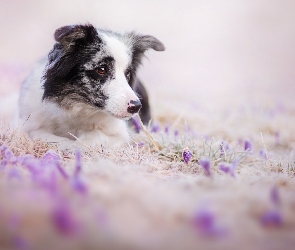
87, 87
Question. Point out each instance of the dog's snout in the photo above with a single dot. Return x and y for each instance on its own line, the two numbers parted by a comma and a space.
134, 107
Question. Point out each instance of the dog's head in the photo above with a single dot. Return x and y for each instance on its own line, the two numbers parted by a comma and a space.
97, 68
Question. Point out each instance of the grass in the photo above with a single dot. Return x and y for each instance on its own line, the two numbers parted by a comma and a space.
132, 196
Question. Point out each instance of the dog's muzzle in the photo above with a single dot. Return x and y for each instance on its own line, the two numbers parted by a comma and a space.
135, 107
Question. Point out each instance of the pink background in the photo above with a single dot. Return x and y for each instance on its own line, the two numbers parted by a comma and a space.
218, 52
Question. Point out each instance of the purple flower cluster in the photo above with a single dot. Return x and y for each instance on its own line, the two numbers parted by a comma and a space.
136, 124
7, 156
64, 221
48, 173
248, 146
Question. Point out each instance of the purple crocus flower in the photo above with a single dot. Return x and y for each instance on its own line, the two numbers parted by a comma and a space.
62, 171
223, 148
234, 166
50, 183
186, 155
8, 154
136, 124
33, 165
229, 168
225, 167
14, 174
44, 175
77, 182
63, 220
155, 128
262, 154
167, 129
51, 156
271, 219
205, 223
79, 185
248, 146
205, 164
176, 133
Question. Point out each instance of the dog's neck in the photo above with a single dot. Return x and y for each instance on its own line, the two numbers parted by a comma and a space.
88, 118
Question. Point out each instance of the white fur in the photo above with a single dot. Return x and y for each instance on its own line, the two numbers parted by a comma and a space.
46, 120
119, 89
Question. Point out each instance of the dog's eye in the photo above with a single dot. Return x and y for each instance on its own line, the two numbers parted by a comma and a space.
102, 70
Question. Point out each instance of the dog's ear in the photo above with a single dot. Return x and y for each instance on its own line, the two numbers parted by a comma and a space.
141, 43
69, 35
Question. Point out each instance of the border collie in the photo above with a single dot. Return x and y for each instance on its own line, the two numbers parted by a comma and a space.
87, 87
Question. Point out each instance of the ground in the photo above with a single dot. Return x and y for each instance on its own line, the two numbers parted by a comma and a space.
145, 196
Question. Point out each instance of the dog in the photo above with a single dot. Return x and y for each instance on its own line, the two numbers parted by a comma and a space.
86, 89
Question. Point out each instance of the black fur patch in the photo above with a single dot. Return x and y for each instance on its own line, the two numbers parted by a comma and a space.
144, 112
63, 80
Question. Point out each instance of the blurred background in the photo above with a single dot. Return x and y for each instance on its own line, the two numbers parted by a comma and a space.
218, 53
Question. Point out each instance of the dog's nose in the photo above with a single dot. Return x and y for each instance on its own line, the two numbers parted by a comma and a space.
134, 107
